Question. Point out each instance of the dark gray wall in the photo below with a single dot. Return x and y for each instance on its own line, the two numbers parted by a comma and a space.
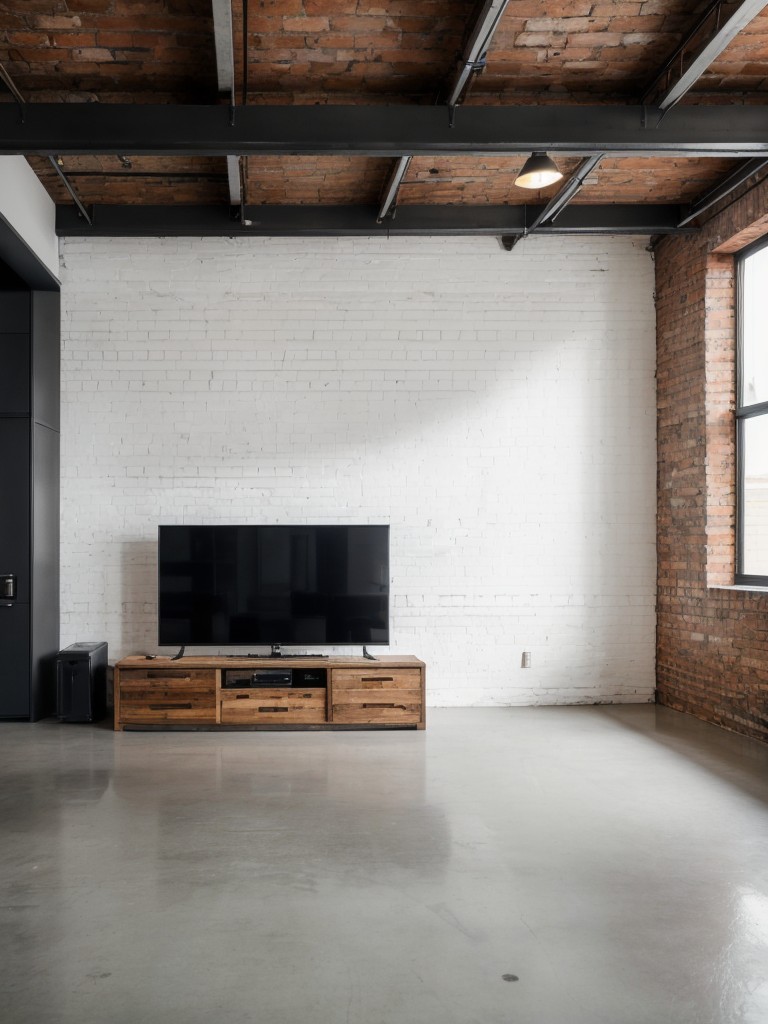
29, 498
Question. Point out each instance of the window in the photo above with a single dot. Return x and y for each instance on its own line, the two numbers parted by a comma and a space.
752, 417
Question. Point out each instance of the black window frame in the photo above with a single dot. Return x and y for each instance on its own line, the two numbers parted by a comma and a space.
742, 414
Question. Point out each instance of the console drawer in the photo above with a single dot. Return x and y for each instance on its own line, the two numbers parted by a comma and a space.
364, 707
376, 678
166, 704
167, 679
276, 707
154, 695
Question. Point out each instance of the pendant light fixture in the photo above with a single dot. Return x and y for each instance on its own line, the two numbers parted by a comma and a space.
538, 172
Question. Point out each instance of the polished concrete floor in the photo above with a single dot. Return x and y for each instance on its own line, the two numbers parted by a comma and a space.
507, 866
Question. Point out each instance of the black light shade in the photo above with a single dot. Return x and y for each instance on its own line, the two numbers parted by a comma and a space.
538, 172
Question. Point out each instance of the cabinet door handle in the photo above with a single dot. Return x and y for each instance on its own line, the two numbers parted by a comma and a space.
170, 707
242, 696
273, 709
378, 679
401, 706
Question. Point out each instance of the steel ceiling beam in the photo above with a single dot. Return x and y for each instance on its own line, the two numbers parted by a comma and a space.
187, 129
473, 58
216, 221
723, 189
723, 31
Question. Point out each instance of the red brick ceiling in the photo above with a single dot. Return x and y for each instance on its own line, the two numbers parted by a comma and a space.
342, 51
582, 50
364, 51
156, 50
152, 180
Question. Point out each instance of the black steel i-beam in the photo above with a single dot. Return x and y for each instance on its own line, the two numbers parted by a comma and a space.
320, 221
149, 129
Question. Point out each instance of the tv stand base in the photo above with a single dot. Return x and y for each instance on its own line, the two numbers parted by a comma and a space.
190, 692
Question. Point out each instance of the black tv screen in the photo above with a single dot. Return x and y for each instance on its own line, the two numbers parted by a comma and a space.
248, 585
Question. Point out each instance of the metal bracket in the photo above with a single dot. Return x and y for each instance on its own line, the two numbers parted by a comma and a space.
471, 68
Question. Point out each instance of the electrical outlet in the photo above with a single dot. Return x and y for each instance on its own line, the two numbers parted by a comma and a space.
526, 662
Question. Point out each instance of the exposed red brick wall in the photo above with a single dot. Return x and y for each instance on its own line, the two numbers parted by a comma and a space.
712, 644
720, 396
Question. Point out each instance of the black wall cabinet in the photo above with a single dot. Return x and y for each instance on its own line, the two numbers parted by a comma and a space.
29, 500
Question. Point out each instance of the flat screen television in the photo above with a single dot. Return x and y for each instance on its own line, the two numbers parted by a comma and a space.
273, 585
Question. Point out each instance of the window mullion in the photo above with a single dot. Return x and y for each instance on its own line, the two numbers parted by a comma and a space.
750, 332
746, 411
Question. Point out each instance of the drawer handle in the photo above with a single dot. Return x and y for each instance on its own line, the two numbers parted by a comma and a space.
378, 679
169, 707
157, 677
401, 706
248, 696
273, 709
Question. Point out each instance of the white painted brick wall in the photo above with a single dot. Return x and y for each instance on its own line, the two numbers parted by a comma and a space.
496, 409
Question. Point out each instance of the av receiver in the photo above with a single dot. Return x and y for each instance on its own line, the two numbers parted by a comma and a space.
249, 678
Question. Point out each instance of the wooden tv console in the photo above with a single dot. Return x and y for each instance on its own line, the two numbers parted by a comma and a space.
360, 693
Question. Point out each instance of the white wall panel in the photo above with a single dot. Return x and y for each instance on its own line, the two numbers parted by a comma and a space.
498, 410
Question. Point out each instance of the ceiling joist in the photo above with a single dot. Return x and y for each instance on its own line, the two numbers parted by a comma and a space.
225, 50
55, 162
740, 176
395, 180
9, 83
473, 59
225, 73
